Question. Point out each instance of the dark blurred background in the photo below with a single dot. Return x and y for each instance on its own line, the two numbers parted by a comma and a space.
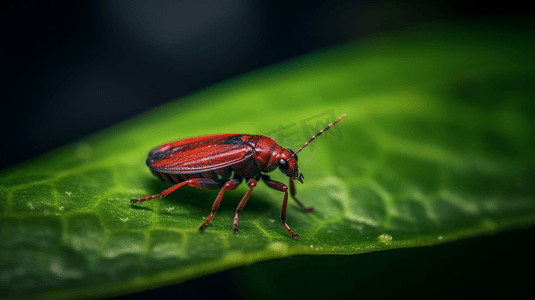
72, 68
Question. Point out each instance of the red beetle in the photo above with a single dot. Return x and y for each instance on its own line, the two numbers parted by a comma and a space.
222, 161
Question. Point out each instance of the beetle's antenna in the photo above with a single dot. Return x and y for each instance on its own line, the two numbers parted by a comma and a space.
319, 133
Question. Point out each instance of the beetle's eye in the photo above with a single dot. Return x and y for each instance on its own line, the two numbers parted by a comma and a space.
295, 156
283, 164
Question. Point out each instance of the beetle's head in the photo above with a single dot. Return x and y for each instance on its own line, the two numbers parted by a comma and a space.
287, 162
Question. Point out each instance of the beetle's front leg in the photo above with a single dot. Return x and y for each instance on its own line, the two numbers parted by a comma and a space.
279, 186
292, 192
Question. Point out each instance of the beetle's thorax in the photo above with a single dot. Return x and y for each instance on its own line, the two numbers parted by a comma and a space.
266, 153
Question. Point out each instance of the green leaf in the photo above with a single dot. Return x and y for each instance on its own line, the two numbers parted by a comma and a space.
437, 146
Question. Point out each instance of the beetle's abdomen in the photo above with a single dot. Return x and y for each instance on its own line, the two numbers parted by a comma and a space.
223, 173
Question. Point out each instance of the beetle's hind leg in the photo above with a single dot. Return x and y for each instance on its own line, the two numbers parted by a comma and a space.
203, 183
228, 185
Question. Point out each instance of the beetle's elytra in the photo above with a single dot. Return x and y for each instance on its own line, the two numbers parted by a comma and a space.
222, 161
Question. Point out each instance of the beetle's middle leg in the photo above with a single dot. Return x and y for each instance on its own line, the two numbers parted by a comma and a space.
252, 185
229, 185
